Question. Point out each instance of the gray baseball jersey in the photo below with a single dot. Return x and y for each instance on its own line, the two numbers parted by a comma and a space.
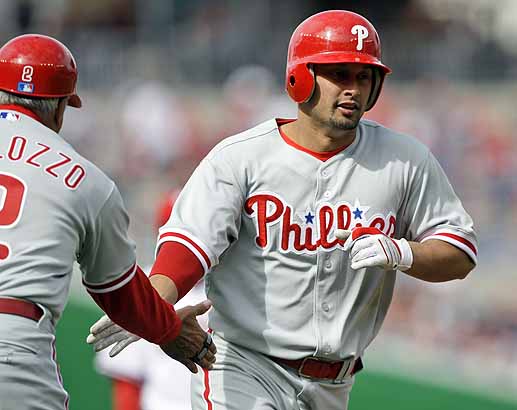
260, 214
55, 207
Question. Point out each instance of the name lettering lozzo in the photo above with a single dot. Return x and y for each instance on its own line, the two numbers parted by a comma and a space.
268, 210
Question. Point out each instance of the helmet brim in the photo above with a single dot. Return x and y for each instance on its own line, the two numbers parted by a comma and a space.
344, 57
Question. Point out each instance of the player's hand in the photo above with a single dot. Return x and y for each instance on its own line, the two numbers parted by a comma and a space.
193, 345
370, 247
105, 333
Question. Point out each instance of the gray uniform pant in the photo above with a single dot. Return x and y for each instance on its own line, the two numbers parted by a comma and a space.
29, 374
243, 379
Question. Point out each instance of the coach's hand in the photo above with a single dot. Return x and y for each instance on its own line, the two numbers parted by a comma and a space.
370, 247
105, 333
193, 345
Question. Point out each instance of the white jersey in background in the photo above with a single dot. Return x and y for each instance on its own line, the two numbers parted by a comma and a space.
165, 383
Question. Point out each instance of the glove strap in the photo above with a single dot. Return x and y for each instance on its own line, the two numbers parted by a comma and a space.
406, 258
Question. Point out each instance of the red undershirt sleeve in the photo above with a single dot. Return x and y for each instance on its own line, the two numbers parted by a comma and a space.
138, 308
178, 263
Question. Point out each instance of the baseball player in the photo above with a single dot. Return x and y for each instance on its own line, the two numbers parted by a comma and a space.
299, 228
56, 207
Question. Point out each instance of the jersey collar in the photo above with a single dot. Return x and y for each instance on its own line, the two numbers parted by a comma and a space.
21, 110
322, 156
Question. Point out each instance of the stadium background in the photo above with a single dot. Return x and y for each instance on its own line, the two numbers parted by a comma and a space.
162, 81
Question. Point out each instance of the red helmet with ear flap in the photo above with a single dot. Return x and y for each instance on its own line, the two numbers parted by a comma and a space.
334, 36
34, 65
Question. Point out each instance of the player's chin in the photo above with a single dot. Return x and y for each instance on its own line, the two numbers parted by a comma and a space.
345, 123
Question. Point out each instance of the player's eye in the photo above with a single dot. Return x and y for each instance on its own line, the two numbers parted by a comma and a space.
365, 76
340, 75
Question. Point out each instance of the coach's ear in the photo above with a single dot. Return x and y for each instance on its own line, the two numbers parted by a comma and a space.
60, 113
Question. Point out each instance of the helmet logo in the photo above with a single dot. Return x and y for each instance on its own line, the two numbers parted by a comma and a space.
362, 34
27, 73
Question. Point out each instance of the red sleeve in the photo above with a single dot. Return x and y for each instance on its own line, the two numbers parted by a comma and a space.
138, 308
126, 395
177, 262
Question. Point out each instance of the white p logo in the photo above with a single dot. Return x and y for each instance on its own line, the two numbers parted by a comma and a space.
362, 33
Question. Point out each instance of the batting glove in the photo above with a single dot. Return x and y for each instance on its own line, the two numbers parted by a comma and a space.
105, 333
370, 247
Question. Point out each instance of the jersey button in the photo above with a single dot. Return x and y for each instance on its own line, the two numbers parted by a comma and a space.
326, 349
325, 307
328, 265
327, 194
325, 173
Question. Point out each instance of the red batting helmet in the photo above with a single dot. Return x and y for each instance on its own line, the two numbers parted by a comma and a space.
334, 36
34, 65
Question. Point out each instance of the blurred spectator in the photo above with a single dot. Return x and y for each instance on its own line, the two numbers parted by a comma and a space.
250, 97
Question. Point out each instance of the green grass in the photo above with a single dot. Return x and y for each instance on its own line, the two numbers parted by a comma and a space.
372, 391
376, 391
88, 390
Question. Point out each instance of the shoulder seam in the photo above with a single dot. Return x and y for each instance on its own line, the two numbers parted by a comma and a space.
240, 140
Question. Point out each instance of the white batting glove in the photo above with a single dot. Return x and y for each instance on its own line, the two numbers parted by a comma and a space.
105, 333
370, 247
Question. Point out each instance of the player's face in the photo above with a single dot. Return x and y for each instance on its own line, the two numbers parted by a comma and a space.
341, 94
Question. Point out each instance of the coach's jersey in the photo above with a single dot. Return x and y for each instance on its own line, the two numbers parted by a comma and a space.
260, 213
55, 207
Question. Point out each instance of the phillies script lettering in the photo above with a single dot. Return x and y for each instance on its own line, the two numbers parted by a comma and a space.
312, 231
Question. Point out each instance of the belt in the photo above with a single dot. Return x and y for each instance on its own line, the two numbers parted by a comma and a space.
316, 368
20, 307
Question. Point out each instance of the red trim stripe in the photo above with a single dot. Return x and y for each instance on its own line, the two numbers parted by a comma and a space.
384, 250
20, 109
58, 371
459, 239
191, 242
112, 283
397, 246
206, 393
322, 156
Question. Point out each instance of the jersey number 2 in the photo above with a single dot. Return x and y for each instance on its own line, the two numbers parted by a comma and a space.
12, 200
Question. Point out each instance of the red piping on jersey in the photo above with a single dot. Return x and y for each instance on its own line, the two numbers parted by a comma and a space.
112, 283
191, 242
22, 110
322, 156
459, 239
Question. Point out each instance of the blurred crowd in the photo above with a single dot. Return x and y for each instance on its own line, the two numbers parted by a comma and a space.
163, 81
